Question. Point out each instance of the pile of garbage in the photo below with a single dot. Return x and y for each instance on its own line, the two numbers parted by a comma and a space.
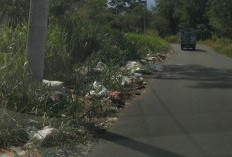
25, 136
130, 77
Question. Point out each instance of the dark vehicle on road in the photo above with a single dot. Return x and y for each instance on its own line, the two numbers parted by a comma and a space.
188, 38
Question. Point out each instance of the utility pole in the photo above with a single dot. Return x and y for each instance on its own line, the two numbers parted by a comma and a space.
144, 14
36, 37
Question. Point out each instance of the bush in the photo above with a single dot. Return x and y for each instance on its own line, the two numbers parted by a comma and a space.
173, 39
221, 45
142, 44
13, 40
57, 60
18, 91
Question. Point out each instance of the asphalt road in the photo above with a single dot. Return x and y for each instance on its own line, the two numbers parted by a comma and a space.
185, 111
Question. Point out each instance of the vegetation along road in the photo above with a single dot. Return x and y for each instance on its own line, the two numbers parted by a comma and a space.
186, 111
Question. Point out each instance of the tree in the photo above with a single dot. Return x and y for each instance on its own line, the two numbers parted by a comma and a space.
220, 16
122, 5
192, 13
97, 11
36, 37
16, 11
167, 10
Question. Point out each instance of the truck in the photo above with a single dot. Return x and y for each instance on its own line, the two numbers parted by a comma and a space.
188, 38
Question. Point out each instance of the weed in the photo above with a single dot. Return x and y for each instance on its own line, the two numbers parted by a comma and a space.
222, 46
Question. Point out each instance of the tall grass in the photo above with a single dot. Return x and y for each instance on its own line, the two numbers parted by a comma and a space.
173, 39
222, 46
142, 44
18, 91
67, 49
13, 40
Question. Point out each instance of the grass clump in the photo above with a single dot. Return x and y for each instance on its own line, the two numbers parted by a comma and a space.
13, 40
141, 44
221, 45
173, 39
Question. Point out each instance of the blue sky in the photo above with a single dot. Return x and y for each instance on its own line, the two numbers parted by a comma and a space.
150, 3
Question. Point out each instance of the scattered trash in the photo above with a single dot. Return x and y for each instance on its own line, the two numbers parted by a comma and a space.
116, 77
100, 67
4, 153
112, 110
81, 131
156, 57
112, 119
116, 97
18, 152
83, 70
32, 127
57, 96
40, 135
162, 56
151, 58
137, 75
99, 90
137, 67
126, 81
54, 85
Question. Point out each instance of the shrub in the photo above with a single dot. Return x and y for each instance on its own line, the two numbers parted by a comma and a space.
173, 39
18, 91
142, 44
221, 45
13, 40
57, 60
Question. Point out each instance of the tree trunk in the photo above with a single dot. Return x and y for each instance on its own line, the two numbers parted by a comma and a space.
37, 36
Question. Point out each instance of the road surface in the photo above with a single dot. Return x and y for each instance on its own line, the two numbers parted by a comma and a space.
185, 111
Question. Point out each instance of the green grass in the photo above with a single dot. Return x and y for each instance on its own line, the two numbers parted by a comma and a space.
13, 40
222, 46
141, 44
67, 50
18, 90
173, 39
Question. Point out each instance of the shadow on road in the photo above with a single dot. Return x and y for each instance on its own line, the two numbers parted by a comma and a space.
132, 144
207, 77
199, 50
196, 50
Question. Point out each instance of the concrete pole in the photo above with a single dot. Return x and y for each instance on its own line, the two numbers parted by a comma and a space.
37, 36
144, 15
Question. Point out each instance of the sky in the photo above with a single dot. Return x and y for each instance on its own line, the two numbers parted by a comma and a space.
150, 3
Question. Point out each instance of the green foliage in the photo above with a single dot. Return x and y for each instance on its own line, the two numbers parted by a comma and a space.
16, 11
76, 39
192, 13
167, 10
97, 11
59, 7
13, 40
208, 17
18, 91
220, 16
221, 45
57, 60
143, 44
160, 24
122, 5
173, 39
